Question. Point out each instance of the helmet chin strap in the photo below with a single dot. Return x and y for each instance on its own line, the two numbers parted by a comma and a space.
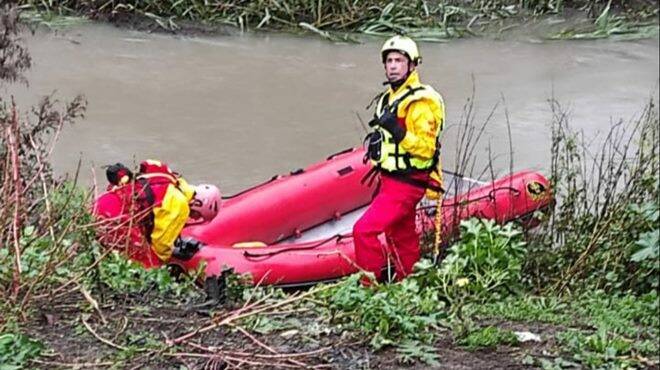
394, 85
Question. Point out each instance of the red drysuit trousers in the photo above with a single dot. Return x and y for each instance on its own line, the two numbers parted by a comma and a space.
392, 212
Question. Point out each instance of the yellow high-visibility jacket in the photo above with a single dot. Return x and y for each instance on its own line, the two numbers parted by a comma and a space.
422, 110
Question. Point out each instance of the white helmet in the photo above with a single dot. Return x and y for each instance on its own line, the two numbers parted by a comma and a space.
404, 45
206, 202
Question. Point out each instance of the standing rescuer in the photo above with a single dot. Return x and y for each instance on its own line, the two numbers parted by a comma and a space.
404, 149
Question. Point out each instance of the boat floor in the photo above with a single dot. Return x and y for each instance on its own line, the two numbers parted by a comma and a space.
344, 225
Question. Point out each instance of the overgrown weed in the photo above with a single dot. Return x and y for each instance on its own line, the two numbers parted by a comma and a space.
485, 263
123, 276
609, 25
336, 20
603, 232
594, 329
489, 336
16, 350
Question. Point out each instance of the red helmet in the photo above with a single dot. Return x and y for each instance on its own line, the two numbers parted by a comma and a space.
205, 203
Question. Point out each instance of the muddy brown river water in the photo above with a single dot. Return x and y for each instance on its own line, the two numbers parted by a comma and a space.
234, 110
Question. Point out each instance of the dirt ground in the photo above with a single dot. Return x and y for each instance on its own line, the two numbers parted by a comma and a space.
132, 332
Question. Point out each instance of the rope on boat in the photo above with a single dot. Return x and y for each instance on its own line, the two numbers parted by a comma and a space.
490, 196
336, 238
438, 218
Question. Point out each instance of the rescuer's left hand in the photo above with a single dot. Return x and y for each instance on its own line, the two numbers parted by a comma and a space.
389, 122
184, 249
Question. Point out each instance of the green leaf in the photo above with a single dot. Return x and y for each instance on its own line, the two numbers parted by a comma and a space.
650, 248
17, 349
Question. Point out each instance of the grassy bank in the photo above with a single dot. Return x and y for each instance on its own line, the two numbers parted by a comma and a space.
474, 310
339, 20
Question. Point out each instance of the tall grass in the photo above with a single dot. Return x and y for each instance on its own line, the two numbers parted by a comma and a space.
430, 20
38, 230
603, 233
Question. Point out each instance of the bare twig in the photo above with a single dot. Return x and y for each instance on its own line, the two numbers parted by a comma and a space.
89, 328
267, 348
93, 302
12, 135
74, 365
242, 313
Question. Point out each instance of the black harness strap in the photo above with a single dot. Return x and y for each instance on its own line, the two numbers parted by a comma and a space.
370, 176
415, 182
395, 104
146, 195
145, 200
402, 173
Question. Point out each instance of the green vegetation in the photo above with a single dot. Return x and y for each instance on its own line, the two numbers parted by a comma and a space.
603, 232
595, 350
595, 329
613, 26
123, 276
622, 313
337, 20
488, 337
388, 313
484, 264
16, 350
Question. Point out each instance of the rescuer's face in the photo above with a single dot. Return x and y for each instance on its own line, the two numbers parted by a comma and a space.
397, 66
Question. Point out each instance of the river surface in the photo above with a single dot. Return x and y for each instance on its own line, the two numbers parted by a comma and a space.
234, 110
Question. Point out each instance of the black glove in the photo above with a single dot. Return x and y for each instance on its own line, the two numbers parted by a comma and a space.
184, 249
389, 122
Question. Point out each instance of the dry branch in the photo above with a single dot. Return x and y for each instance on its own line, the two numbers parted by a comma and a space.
106, 341
243, 313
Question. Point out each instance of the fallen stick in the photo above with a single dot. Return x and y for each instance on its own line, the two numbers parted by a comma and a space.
266, 347
89, 328
12, 136
275, 355
256, 363
247, 301
121, 330
77, 277
230, 358
73, 365
233, 316
93, 302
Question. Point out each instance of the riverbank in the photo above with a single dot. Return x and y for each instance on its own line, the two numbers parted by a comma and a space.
580, 292
346, 22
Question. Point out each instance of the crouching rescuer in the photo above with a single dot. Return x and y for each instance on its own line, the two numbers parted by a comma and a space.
404, 150
161, 203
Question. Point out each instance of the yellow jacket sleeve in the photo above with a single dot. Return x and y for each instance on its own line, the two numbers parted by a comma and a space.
170, 218
187, 189
423, 121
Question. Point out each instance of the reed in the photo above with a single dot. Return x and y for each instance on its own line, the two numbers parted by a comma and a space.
423, 19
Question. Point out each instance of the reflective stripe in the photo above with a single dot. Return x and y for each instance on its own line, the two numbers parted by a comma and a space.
168, 176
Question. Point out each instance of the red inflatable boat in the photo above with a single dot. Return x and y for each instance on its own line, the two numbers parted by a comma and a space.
296, 228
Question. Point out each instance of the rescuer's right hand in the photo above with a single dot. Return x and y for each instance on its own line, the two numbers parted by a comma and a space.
389, 122
185, 248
